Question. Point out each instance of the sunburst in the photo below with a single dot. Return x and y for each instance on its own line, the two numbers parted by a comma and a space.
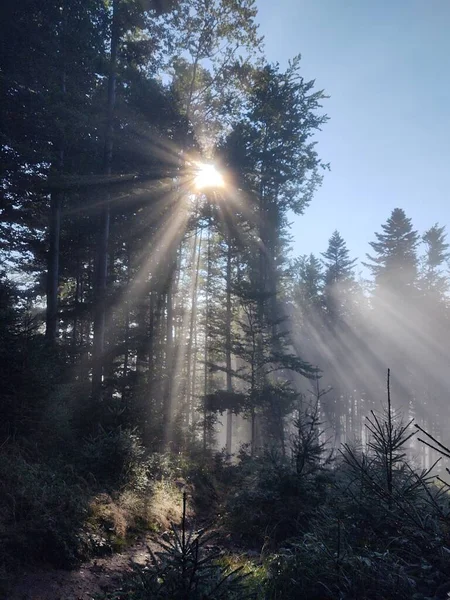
208, 177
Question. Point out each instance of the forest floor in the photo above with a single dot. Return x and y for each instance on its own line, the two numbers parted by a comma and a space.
93, 577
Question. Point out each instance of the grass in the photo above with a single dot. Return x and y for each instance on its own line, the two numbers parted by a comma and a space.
119, 519
255, 572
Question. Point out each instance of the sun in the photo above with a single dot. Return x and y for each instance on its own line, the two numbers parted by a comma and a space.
207, 177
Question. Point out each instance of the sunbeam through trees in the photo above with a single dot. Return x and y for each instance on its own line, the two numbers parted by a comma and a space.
167, 362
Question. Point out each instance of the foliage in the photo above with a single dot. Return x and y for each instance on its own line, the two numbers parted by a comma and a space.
339, 277
367, 526
108, 106
275, 496
314, 570
221, 401
186, 567
395, 260
114, 458
43, 510
433, 279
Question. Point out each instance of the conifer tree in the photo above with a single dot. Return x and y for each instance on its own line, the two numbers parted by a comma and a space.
435, 261
396, 310
339, 277
434, 329
395, 263
308, 285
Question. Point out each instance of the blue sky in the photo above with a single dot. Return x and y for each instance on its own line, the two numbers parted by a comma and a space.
386, 66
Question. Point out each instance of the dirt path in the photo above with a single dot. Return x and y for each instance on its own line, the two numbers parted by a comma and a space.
96, 576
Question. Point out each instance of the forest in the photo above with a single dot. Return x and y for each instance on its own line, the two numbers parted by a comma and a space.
264, 425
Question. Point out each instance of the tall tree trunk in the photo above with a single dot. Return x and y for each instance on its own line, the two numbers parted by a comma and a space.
76, 308
126, 356
207, 325
102, 249
127, 334
189, 376
142, 332
151, 338
170, 357
155, 389
229, 432
56, 202
51, 327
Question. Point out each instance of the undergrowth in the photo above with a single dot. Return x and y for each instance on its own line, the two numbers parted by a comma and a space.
359, 526
187, 567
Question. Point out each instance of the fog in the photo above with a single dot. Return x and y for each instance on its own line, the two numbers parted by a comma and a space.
376, 332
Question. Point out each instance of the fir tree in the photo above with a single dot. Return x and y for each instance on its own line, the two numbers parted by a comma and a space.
339, 277
308, 287
395, 263
434, 262
338, 264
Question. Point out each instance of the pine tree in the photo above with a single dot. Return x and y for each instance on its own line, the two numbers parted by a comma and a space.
434, 329
436, 258
308, 287
266, 367
395, 263
339, 278
339, 266
277, 165
46, 93
396, 303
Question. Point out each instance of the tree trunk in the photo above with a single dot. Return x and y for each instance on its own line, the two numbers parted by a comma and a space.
102, 249
51, 328
151, 337
56, 201
229, 432
142, 332
170, 356
189, 377
206, 350
127, 335
76, 304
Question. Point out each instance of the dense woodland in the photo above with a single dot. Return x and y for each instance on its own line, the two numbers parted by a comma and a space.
156, 327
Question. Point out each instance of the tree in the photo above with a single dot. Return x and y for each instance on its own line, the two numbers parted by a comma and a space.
436, 258
337, 262
47, 87
396, 308
308, 289
340, 292
276, 162
434, 329
208, 67
395, 263
265, 363
339, 277
339, 267
126, 18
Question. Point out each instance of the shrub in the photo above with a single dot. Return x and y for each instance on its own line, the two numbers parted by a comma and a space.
312, 570
115, 459
43, 508
272, 500
185, 568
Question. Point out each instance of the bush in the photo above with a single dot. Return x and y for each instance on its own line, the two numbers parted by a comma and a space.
272, 501
312, 570
115, 459
43, 507
187, 567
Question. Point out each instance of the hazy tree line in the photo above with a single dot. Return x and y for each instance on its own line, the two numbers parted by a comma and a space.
356, 327
169, 308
